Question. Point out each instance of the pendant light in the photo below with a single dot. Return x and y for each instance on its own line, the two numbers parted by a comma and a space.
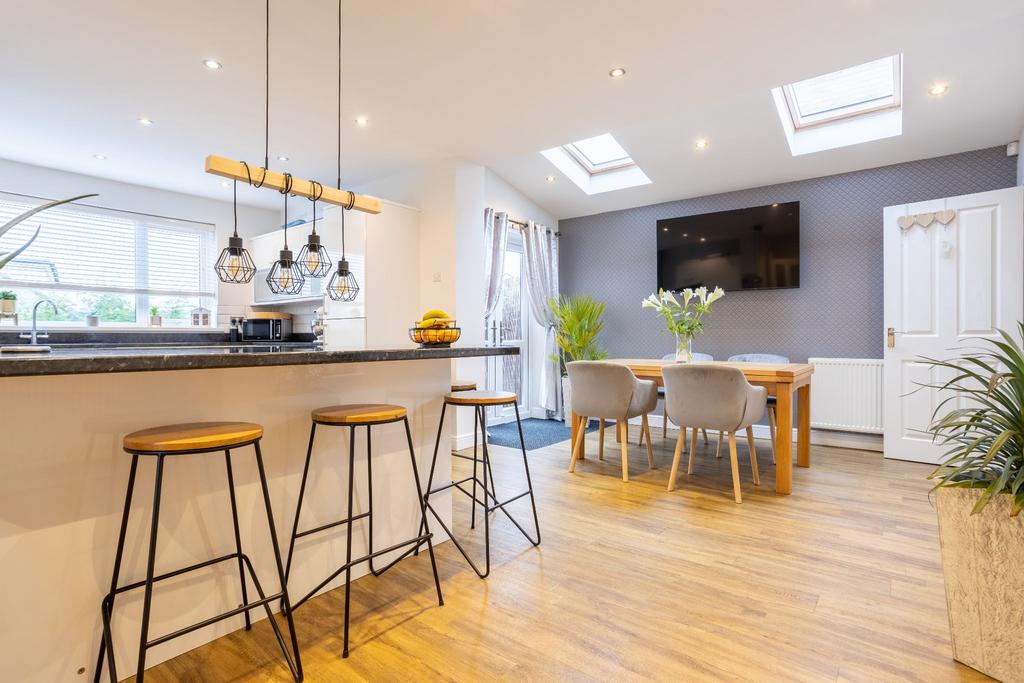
235, 265
314, 261
343, 285
285, 277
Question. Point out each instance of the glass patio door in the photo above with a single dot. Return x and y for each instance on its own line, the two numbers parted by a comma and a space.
510, 326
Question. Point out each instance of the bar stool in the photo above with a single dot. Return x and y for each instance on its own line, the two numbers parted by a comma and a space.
480, 400
463, 385
353, 416
193, 439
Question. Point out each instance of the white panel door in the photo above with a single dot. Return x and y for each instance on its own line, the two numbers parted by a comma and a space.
945, 286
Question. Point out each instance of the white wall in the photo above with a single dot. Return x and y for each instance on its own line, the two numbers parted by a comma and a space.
38, 181
501, 196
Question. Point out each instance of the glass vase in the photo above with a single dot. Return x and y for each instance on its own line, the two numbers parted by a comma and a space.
684, 350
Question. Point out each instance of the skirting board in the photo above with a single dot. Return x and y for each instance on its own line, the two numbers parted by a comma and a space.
819, 437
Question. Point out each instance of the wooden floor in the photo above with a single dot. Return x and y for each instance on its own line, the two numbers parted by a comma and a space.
839, 582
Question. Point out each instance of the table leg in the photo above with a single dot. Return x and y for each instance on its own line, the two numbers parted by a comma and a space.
784, 439
803, 416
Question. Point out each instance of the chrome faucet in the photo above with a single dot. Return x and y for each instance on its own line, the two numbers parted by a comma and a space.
35, 335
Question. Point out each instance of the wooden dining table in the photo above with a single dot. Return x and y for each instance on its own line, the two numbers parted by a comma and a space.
782, 380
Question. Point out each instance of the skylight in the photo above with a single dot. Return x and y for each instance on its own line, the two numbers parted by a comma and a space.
856, 90
846, 107
599, 153
597, 164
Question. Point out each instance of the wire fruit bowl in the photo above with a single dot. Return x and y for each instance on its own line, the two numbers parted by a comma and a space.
436, 337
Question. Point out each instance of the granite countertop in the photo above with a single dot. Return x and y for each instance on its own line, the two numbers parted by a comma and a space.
73, 359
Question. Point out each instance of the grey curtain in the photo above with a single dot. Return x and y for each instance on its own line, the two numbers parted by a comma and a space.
541, 247
495, 241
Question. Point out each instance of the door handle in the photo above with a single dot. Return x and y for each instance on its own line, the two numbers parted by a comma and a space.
890, 337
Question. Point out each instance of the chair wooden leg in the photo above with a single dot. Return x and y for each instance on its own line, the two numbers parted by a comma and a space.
600, 439
771, 429
753, 456
646, 428
680, 442
664, 419
734, 463
580, 436
625, 450
693, 451
718, 448
640, 441
706, 439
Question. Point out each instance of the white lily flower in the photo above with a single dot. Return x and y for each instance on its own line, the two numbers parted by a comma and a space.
702, 292
716, 295
669, 298
687, 295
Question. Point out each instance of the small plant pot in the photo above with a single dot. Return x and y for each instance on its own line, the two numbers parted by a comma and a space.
8, 305
156, 321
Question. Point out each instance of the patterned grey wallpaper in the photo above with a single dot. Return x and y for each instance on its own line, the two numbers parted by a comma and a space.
836, 312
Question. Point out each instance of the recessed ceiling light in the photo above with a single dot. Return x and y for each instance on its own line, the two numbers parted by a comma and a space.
145, 122
101, 157
938, 88
212, 64
550, 178
701, 143
282, 158
617, 72
362, 121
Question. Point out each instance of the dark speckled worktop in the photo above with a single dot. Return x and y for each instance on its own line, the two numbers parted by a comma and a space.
77, 360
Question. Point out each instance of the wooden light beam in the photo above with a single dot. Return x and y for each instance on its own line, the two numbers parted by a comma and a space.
234, 170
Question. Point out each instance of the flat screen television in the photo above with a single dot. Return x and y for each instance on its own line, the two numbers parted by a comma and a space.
755, 248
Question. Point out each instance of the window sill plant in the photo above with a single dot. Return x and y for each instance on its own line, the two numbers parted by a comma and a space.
8, 302
155, 320
979, 495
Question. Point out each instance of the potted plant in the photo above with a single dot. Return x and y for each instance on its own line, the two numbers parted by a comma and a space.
154, 317
979, 495
580, 321
684, 321
8, 302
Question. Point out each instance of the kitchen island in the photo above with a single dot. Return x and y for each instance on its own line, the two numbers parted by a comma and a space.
63, 476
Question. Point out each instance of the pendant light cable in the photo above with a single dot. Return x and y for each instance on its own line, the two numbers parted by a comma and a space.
286, 191
266, 113
234, 202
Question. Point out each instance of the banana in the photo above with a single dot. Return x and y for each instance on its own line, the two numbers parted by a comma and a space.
435, 313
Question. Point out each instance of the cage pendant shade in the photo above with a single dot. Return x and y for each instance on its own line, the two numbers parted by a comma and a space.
285, 277
235, 265
343, 285
313, 258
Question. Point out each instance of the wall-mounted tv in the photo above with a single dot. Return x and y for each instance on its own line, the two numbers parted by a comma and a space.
755, 248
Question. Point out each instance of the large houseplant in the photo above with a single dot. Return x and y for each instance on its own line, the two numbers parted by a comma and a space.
580, 321
979, 496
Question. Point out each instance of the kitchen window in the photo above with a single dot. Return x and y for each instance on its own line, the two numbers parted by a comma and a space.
117, 265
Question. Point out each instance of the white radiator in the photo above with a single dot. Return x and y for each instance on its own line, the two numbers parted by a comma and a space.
846, 394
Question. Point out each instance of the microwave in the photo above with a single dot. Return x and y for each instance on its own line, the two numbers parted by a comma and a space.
266, 329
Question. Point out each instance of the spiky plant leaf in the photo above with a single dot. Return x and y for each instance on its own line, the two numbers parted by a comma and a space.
42, 207
7, 258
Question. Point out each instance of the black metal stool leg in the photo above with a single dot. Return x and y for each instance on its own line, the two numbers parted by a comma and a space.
296, 666
348, 534
472, 514
238, 536
423, 510
369, 503
147, 600
529, 482
487, 507
298, 506
433, 466
107, 608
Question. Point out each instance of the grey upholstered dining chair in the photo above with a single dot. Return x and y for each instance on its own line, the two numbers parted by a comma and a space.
763, 358
697, 358
714, 397
610, 392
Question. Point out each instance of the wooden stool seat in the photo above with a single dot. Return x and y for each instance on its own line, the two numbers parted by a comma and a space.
358, 414
192, 436
480, 398
463, 385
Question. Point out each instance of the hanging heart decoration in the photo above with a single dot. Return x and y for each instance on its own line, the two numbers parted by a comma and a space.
924, 219
945, 217
905, 222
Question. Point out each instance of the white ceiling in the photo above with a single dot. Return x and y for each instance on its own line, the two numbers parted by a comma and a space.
489, 82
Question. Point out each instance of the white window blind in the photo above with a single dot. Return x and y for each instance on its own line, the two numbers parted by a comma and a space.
91, 257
